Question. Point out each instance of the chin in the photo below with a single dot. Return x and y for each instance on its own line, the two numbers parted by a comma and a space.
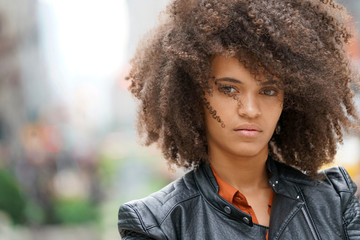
248, 152
247, 155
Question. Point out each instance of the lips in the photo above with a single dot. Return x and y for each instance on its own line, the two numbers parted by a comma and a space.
248, 130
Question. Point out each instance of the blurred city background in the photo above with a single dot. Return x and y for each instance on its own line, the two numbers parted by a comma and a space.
69, 154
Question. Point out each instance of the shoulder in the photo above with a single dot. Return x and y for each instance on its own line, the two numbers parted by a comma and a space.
146, 215
350, 204
336, 178
339, 178
333, 183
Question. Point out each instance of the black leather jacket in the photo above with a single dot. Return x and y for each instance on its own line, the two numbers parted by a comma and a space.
190, 208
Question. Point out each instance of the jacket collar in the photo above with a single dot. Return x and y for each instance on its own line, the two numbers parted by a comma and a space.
208, 187
282, 170
283, 180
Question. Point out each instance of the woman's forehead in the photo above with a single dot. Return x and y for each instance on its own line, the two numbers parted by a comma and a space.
232, 68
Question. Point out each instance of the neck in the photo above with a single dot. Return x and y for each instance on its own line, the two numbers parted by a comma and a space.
244, 173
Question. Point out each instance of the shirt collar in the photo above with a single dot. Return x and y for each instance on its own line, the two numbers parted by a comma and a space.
227, 191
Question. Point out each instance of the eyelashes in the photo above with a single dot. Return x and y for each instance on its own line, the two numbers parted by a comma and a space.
227, 89
232, 90
270, 91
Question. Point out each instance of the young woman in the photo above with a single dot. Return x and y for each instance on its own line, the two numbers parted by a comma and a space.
252, 97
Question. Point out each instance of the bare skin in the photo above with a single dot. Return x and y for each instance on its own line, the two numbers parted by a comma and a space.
250, 111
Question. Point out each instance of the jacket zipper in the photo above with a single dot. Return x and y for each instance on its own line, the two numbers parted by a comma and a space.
307, 218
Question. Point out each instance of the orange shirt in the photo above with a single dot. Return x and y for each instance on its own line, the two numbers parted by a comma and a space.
233, 196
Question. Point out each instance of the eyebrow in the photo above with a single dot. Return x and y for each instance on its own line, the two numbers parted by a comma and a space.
233, 80
227, 79
271, 82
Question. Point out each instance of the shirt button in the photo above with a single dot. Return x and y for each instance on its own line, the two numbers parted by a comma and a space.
246, 220
227, 209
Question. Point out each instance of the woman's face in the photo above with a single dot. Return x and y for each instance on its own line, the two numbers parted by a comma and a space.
249, 109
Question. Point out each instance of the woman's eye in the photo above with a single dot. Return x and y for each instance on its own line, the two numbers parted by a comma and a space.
270, 92
227, 89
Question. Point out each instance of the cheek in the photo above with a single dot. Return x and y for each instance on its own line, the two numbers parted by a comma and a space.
218, 106
210, 114
273, 112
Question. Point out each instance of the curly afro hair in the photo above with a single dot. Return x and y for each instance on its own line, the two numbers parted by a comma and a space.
300, 42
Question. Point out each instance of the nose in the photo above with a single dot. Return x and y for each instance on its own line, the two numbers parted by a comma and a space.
248, 106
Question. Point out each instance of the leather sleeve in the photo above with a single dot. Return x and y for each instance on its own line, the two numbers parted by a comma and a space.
352, 211
130, 224
352, 219
128, 235
346, 189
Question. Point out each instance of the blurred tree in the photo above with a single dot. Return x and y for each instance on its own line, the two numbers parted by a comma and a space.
12, 199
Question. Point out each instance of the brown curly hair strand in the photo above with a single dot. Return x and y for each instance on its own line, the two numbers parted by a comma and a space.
300, 42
